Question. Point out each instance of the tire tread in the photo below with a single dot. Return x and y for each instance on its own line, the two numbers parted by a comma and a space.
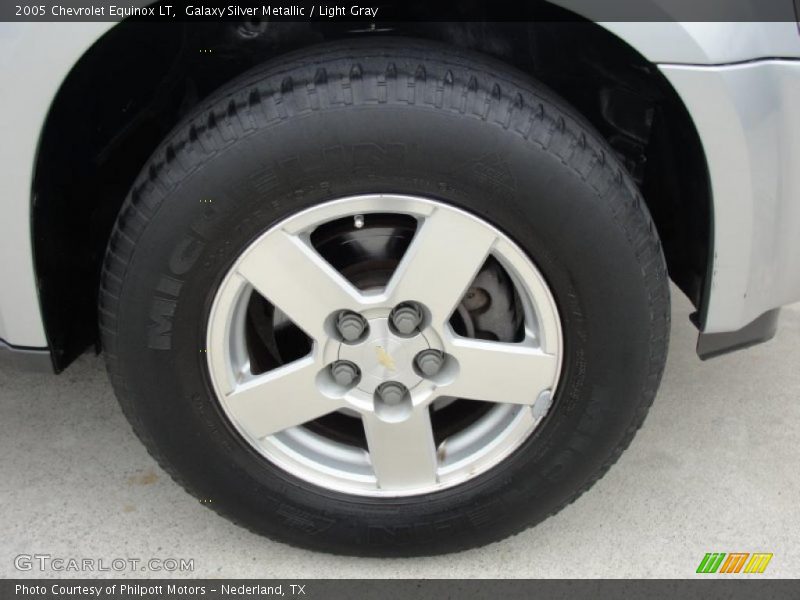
353, 73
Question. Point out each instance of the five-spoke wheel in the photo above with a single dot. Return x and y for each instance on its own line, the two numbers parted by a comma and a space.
387, 355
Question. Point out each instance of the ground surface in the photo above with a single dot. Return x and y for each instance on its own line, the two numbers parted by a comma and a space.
715, 469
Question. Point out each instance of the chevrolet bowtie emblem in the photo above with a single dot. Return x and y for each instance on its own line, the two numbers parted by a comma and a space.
384, 358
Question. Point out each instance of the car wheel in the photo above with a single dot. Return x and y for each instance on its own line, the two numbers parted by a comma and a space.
385, 298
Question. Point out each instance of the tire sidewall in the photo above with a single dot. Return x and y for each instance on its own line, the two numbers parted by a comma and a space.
200, 222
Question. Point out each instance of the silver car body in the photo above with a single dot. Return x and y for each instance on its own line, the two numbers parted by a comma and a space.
739, 81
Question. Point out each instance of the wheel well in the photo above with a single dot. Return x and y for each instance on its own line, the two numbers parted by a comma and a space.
136, 82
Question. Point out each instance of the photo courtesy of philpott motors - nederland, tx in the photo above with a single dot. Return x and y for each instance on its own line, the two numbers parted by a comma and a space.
142, 591
322, 10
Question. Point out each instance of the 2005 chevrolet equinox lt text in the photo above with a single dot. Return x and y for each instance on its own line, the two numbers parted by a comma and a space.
393, 289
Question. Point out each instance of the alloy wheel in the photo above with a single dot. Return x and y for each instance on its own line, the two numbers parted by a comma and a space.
379, 383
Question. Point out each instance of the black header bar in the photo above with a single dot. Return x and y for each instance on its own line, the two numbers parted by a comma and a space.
379, 12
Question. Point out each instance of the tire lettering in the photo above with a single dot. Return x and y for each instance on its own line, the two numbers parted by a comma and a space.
162, 310
185, 255
159, 334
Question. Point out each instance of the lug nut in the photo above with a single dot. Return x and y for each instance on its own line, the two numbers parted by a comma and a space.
406, 318
391, 392
344, 372
429, 362
350, 325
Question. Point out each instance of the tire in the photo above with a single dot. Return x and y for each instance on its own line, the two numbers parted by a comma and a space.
385, 117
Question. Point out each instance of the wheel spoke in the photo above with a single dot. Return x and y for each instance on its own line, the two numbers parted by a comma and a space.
403, 454
498, 372
279, 399
293, 277
444, 257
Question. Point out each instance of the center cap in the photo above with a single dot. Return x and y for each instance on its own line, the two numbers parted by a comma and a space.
384, 356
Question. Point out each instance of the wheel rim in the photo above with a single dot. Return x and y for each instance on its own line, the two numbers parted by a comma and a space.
391, 379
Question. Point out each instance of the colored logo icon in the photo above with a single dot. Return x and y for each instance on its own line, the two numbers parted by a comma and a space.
734, 562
